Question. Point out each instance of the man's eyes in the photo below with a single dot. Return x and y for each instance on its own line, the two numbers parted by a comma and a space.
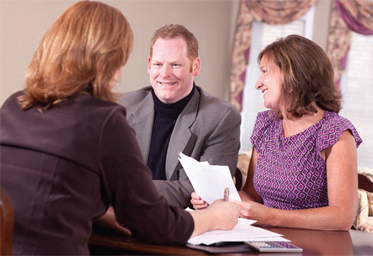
172, 65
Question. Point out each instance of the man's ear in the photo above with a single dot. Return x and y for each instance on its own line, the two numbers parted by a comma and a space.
196, 66
149, 61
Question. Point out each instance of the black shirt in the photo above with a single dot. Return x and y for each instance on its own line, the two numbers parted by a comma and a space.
164, 123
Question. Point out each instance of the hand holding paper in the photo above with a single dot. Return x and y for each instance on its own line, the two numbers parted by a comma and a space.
209, 181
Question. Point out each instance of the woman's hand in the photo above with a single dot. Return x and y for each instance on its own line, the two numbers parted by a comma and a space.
225, 214
254, 211
108, 221
220, 214
197, 202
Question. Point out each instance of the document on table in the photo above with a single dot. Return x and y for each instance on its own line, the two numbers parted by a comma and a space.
209, 181
242, 232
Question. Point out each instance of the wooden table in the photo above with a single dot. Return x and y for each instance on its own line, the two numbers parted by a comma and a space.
313, 243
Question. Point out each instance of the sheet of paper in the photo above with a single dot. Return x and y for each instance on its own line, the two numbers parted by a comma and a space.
209, 181
243, 231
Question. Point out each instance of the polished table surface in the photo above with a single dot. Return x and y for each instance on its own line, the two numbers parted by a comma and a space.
313, 242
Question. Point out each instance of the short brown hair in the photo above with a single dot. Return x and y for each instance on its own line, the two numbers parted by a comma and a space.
79, 53
172, 31
307, 73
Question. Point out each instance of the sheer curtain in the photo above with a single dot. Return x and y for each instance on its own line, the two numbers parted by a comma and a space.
350, 48
266, 11
357, 88
259, 23
265, 34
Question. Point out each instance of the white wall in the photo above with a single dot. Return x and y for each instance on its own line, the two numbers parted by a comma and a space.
24, 22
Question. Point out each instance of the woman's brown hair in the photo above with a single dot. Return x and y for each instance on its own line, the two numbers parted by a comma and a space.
80, 53
307, 73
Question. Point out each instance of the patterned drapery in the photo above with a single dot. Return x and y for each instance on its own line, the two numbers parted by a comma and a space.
357, 14
266, 11
347, 15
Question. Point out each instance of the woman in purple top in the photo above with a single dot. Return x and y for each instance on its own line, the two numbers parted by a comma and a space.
303, 169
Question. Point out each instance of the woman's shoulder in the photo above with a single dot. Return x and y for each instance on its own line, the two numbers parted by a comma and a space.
265, 119
99, 108
334, 123
263, 116
334, 119
12, 100
266, 125
332, 127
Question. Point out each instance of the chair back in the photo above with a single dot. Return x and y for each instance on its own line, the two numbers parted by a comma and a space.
365, 183
238, 179
6, 223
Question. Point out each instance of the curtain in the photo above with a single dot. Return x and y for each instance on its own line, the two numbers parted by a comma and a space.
347, 16
268, 11
358, 15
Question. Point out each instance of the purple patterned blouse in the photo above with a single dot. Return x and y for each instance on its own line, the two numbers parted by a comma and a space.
290, 173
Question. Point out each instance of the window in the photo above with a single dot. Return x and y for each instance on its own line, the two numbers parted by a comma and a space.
357, 89
263, 35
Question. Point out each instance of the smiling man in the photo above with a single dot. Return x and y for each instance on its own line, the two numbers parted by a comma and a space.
174, 115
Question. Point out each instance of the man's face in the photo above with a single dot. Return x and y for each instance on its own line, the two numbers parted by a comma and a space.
170, 71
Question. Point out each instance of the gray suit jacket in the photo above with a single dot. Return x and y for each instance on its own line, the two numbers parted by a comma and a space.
208, 129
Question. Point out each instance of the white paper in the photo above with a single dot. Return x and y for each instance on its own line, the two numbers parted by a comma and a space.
209, 181
242, 232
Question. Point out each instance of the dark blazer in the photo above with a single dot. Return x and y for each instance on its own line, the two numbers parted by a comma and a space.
63, 167
208, 129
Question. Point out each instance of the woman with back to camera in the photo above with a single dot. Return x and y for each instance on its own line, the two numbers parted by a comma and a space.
67, 151
303, 168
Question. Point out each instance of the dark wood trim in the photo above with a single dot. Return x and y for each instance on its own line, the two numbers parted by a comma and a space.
365, 183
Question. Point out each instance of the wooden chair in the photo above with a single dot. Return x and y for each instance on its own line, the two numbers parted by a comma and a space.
6, 223
238, 178
364, 219
365, 183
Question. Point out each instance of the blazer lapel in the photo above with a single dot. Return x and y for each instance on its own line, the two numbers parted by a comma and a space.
141, 120
182, 140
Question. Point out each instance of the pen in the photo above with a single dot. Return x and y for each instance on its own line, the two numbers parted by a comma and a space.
226, 194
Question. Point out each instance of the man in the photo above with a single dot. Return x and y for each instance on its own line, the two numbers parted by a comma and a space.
174, 115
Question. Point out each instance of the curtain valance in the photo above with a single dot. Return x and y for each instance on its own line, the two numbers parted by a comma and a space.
347, 16
266, 11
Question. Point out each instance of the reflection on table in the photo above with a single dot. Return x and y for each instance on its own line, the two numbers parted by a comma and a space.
313, 242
